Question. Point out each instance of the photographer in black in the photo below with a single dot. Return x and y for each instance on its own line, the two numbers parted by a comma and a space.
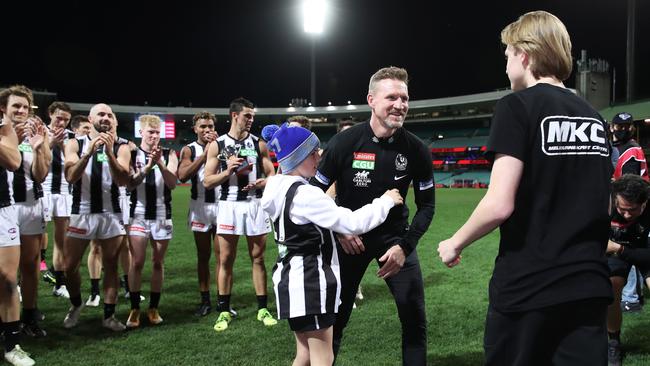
627, 246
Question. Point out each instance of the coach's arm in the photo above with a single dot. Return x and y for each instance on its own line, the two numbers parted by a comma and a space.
425, 201
496, 207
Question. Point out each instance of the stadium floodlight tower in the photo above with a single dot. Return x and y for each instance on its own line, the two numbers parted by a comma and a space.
314, 13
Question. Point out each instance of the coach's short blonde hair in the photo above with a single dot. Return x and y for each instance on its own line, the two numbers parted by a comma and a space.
391, 72
545, 39
149, 120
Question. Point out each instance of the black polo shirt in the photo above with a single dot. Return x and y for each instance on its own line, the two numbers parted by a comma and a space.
365, 166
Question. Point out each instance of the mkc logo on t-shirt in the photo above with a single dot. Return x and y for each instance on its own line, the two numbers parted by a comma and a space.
564, 135
363, 160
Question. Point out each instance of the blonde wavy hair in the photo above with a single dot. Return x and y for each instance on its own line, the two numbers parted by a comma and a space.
544, 38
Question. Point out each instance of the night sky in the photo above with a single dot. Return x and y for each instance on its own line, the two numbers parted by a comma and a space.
209, 52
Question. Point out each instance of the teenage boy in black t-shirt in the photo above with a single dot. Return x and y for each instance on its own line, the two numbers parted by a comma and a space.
549, 194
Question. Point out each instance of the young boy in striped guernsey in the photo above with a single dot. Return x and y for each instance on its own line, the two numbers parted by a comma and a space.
306, 277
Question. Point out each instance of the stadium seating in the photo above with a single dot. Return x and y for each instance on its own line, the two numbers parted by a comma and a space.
460, 142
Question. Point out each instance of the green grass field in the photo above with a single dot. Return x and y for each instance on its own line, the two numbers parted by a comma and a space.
456, 302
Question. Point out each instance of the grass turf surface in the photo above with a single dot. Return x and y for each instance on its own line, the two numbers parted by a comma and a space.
456, 301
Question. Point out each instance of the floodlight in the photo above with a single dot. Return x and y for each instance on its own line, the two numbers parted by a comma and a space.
314, 12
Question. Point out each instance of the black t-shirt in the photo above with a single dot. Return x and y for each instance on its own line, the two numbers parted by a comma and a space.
552, 248
365, 166
630, 234
634, 236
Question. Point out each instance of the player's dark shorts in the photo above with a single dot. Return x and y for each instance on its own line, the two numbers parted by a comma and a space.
309, 323
571, 334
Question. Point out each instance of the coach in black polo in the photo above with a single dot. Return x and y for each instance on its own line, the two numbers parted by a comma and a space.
364, 161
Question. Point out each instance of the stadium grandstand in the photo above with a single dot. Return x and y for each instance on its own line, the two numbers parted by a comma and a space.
455, 128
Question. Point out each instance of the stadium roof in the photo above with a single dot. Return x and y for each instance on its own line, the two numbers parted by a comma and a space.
639, 110
468, 101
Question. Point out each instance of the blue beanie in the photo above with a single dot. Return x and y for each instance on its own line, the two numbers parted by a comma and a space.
292, 145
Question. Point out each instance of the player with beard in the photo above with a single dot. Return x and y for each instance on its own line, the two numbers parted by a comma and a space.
96, 166
95, 254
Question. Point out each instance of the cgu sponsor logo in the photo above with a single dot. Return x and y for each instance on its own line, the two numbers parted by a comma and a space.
360, 164
247, 152
25, 147
102, 158
563, 135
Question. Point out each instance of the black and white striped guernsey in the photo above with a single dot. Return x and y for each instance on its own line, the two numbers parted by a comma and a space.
55, 182
198, 191
249, 149
151, 199
121, 141
95, 191
6, 187
25, 190
306, 274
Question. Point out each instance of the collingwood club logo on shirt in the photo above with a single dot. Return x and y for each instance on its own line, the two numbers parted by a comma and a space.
361, 179
563, 135
401, 162
363, 160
